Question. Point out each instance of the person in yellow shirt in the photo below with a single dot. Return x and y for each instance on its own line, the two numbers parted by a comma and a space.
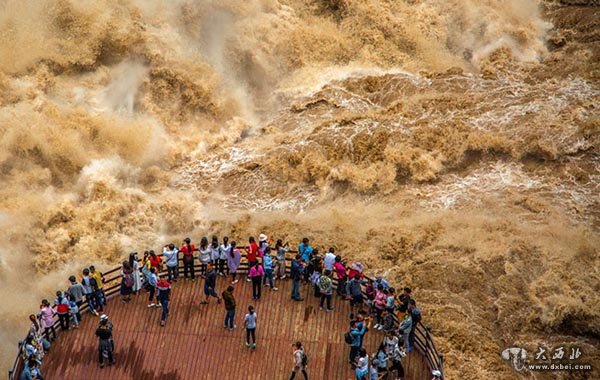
100, 281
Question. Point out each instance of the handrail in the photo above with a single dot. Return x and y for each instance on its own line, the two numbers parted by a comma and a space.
423, 340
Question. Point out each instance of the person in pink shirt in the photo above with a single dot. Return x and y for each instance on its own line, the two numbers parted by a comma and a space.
379, 302
256, 274
340, 271
46, 316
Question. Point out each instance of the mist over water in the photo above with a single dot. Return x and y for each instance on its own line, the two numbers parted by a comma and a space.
453, 145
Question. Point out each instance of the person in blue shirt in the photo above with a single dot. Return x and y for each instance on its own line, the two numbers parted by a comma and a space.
31, 371
296, 273
305, 250
379, 280
268, 267
357, 330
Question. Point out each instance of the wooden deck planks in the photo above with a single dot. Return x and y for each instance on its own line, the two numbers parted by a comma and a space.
194, 344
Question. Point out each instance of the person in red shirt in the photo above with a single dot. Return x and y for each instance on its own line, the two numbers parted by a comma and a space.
188, 258
155, 262
164, 294
252, 252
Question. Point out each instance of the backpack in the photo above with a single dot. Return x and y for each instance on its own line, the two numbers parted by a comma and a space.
348, 337
304, 359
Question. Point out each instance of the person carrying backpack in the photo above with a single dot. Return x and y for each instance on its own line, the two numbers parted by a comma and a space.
326, 289
300, 361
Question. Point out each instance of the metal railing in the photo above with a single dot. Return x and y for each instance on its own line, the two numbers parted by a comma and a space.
112, 283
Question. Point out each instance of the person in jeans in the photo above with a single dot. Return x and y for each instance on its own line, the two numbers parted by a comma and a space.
250, 325
268, 267
188, 258
210, 283
326, 289
357, 331
171, 254
105, 346
298, 361
32, 370
354, 292
256, 274
62, 309
89, 287
76, 291
164, 293
73, 310
151, 283
297, 273
46, 316
229, 301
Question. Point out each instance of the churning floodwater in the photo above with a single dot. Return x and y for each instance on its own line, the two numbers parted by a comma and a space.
452, 145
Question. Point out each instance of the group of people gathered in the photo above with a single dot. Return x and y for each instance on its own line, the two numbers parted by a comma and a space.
266, 264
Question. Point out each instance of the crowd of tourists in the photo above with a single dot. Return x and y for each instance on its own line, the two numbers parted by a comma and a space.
373, 304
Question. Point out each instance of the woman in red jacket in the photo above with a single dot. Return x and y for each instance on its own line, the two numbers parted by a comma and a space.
252, 252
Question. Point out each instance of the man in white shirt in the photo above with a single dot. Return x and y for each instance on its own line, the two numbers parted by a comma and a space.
329, 259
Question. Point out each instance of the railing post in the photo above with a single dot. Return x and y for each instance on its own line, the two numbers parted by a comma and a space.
441, 363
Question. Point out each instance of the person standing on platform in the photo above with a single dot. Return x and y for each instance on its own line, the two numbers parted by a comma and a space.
76, 291
31, 371
268, 264
46, 316
90, 286
210, 283
250, 325
214, 251
229, 301
171, 254
164, 294
105, 346
325, 290
151, 284
188, 259
342, 276
305, 250
137, 276
256, 274
296, 273
252, 252
126, 282
281, 249
204, 255
300, 361
224, 251
99, 283
233, 262
62, 309
357, 331
329, 259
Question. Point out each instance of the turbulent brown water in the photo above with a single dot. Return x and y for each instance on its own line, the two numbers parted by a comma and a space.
452, 145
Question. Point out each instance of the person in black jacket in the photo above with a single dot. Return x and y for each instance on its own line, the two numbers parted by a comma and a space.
105, 347
296, 273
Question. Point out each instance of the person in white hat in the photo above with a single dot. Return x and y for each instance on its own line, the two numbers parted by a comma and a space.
437, 375
263, 243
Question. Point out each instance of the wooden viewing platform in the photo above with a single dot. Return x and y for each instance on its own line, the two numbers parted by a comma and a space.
195, 345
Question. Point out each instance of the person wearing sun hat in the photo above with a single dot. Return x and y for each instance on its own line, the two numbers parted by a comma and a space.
263, 243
